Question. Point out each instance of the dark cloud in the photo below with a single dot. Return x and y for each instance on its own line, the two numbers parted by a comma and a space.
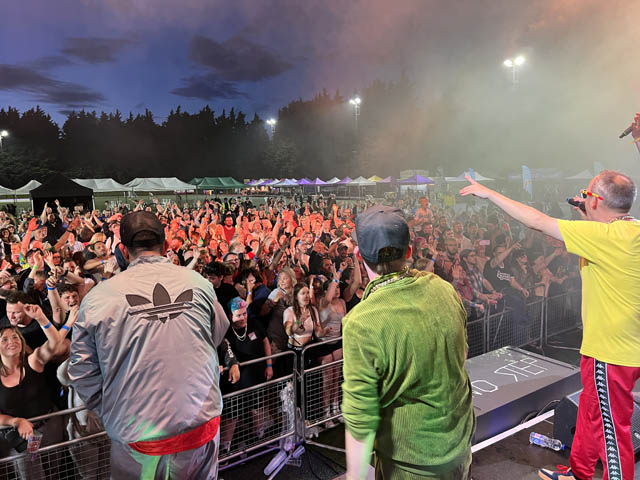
238, 59
208, 87
96, 49
50, 62
46, 89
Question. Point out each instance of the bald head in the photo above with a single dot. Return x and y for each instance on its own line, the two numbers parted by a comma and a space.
617, 190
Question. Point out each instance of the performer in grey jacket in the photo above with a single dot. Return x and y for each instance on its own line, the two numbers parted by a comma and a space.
143, 357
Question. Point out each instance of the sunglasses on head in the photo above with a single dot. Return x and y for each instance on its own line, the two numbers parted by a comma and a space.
587, 193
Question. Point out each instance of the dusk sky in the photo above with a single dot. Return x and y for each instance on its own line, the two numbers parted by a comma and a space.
579, 87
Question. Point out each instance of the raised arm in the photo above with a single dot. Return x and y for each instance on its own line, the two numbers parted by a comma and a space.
525, 214
45, 352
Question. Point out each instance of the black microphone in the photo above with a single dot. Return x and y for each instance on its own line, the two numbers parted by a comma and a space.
626, 132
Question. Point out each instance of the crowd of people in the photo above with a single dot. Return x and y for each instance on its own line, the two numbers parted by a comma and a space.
283, 268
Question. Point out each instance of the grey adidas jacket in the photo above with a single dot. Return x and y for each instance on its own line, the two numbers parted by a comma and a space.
143, 355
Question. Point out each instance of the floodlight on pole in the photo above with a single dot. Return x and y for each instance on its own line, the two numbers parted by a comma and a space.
513, 64
356, 101
3, 134
272, 123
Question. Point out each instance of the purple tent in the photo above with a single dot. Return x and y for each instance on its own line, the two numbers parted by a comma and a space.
270, 183
305, 181
417, 180
317, 182
390, 180
253, 183
345, 181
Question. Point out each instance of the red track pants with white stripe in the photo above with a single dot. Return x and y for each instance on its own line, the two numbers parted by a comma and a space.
603, 429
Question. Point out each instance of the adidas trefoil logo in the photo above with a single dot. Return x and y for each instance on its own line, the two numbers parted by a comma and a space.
163, 309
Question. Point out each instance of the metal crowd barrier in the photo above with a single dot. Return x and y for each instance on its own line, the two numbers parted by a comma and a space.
259, 418
563, 313
322, 386
261, 415
545, 317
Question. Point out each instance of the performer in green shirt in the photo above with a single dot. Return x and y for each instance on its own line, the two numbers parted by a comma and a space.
406, 393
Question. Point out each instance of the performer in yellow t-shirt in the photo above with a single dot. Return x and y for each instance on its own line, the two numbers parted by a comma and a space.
608, 244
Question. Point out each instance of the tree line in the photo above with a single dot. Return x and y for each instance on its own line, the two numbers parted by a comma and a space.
316, 137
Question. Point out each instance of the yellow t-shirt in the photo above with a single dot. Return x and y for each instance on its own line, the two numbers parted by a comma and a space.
610, 270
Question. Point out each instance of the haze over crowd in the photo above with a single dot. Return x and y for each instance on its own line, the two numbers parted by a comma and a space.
577, 90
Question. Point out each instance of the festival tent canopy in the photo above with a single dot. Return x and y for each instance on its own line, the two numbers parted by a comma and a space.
217, 183
5, 191
390, 180
255, 183
271, 183
417, 180
102, 185
305, 182
317, 182
333, 181
59, 187
25, 189
375, 178
286, 182
164, 184
361, 182
583, 175
460, 178
344, 181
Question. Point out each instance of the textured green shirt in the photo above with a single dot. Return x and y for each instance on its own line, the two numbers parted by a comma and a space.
404, 371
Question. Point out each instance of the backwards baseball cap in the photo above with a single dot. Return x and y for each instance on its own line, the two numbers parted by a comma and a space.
379, 227
140, 228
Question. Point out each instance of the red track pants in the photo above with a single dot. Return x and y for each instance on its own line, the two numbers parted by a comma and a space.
603, 429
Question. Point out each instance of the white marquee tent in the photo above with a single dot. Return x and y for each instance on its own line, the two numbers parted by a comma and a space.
25, 189
165, 184
102, 185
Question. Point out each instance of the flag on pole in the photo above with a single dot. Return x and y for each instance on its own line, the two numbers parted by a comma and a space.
472, 174
527, 183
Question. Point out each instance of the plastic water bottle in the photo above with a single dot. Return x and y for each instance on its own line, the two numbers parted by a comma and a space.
275, 462
544, 441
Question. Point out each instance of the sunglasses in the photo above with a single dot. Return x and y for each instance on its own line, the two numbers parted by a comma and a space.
587, 193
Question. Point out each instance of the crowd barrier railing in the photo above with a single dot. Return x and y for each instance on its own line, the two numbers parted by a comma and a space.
306, 399
563, 313
322, 384
261, 415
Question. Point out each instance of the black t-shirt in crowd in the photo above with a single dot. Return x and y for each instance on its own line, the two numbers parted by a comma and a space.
248, 345
225, 292
499, 277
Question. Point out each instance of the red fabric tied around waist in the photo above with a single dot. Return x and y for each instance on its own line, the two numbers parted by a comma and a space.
180, 443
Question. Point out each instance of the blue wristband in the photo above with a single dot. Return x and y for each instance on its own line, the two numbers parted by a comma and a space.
46, 326
64, 327
269, 365
51, 288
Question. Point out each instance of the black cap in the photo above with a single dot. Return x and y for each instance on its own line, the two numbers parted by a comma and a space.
140, 226
378, 227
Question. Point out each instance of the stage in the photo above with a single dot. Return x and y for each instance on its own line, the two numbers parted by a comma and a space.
508, 455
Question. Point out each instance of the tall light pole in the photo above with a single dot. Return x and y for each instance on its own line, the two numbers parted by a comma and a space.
514, 64
356, 101
3, 134
272, 123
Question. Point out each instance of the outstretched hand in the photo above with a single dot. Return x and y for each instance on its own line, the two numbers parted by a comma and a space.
475, 189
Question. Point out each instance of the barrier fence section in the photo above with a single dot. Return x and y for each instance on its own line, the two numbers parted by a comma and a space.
321, 385
295, 406
260, 415
563, 313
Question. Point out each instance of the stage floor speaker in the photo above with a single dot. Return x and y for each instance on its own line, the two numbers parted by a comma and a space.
566, 415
